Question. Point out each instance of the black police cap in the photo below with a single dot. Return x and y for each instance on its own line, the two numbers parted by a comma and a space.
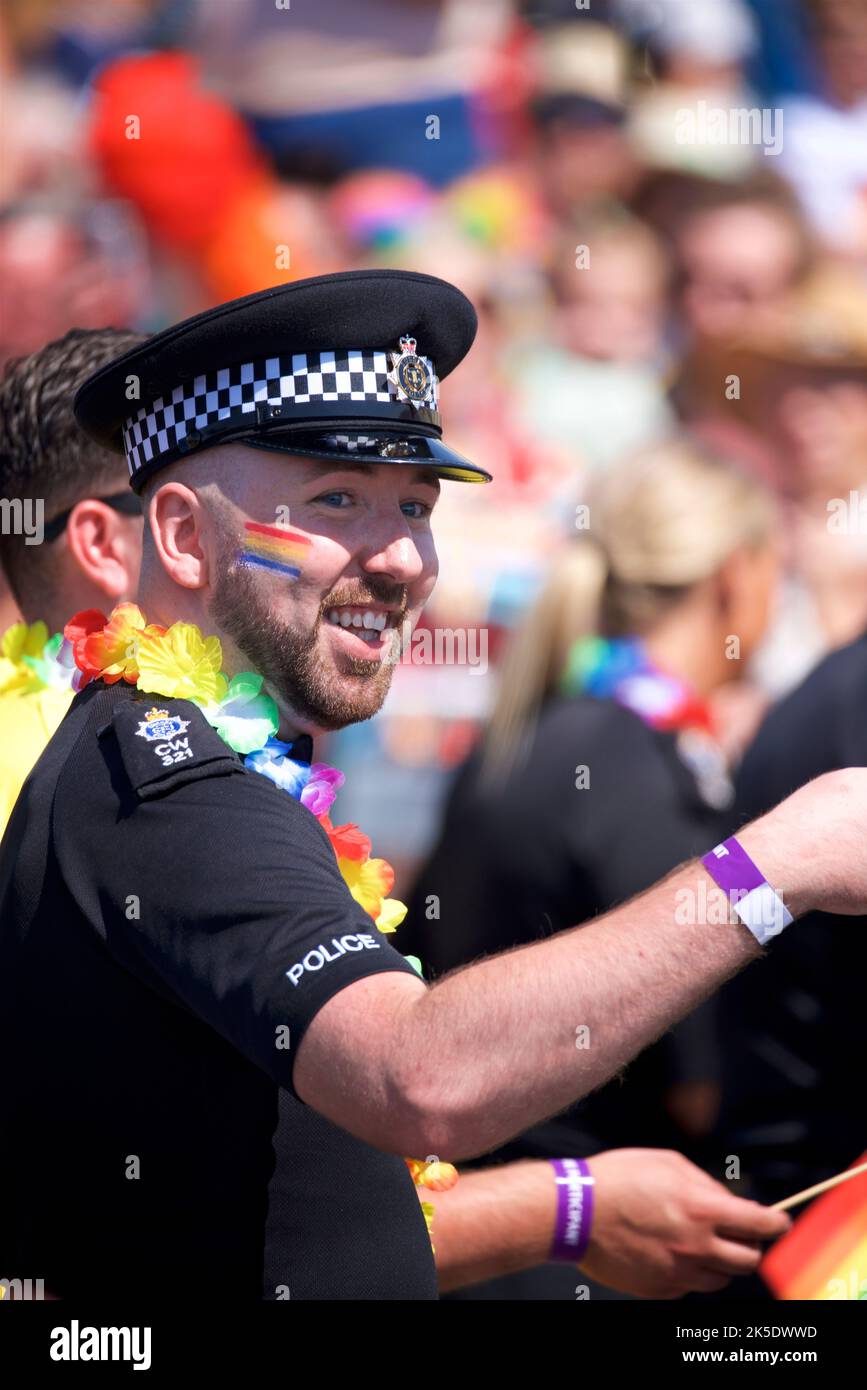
339, 366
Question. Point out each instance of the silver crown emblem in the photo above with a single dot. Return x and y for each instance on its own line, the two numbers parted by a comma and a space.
411, 375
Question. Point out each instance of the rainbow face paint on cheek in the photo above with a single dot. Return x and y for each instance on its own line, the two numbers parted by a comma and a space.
272, 548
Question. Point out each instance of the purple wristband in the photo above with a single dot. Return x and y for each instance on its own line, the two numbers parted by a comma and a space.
759, 907
574, 1209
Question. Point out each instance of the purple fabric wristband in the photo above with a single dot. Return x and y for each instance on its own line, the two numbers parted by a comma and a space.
574, 1209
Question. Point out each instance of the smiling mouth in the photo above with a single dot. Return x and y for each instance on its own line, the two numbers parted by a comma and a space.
367, 622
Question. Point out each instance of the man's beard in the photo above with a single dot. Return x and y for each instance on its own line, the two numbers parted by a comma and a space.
292, 661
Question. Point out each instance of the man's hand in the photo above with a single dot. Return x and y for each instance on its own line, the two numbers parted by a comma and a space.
663, 1228
811, 848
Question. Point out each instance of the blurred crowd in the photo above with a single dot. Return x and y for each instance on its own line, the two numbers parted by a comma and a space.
639, 268
659, 210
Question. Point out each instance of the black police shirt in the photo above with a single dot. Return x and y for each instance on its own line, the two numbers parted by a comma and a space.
795, 1052
170, 924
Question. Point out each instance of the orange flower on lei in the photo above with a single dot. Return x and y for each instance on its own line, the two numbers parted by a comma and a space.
434, 1175
107, 648
369, 880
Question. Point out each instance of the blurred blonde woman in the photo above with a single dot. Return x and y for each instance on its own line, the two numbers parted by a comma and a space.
600, 768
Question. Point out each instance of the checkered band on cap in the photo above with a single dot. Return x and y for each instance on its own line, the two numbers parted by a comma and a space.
234, 396
353, 442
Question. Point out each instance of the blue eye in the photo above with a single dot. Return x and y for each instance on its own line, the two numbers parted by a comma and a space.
339, 501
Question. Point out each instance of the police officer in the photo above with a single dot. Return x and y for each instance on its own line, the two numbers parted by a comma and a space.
222, 1059
499, 1219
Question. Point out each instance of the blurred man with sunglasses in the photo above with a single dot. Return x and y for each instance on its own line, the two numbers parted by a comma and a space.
86, 550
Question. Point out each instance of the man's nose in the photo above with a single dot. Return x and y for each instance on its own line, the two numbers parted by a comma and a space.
395, 556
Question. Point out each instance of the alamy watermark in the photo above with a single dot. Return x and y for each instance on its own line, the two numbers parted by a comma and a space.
23, 516
438, 646
704, 124
77, 1343
711, 906
848, 516
22, 1290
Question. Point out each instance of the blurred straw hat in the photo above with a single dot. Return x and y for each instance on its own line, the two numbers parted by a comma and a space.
580, 69
821, 323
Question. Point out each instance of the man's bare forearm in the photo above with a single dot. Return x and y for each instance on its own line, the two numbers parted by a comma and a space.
493, 1222
504, 1043
460, 1068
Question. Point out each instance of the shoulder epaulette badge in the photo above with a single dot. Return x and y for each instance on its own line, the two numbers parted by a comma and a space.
165, 744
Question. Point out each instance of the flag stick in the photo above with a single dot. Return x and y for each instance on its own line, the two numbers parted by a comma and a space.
825, 1186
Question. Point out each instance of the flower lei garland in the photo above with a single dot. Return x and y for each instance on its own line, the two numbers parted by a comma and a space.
179, 663
619, 669
30, 660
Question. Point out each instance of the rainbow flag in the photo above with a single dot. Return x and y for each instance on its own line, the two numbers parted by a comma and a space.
824, 1255
273, 548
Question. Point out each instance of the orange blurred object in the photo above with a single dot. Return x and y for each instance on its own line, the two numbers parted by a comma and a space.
824, 1255
179, 153
271, 233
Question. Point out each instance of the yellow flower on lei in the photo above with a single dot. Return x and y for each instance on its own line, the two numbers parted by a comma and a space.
369, 881
19, 641
391, 914
182, 664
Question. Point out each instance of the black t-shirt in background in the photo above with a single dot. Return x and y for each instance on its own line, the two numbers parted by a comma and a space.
535, 855
795, 1046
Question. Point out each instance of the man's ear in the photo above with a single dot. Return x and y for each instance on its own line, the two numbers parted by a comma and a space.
105, 546
182, 537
